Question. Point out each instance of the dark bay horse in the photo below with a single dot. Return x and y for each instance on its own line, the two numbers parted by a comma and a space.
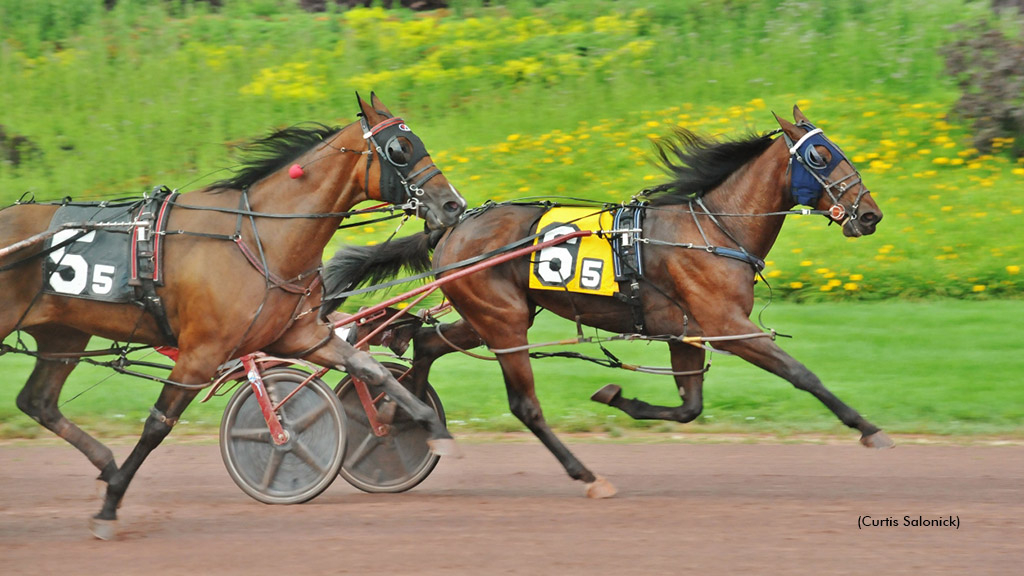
705, 235
281, 207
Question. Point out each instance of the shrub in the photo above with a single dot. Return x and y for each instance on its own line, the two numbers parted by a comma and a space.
988, 66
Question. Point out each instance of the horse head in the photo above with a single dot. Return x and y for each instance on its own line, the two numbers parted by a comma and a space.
400, 170
822, 177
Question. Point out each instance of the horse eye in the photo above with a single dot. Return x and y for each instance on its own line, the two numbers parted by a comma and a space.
399, 150
814, 158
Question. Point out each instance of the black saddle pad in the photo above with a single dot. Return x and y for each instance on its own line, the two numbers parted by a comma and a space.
91, 262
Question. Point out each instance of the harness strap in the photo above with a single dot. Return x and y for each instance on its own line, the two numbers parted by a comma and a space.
628, 262
292, 287
145, 259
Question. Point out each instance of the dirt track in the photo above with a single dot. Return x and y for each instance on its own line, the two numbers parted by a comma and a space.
507, 508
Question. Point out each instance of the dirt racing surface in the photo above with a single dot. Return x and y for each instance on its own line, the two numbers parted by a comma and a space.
508, 508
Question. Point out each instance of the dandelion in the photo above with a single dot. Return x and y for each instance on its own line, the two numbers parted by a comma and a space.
1013, 269
806, 263
978, 288
856, 277
796, 285
851, 287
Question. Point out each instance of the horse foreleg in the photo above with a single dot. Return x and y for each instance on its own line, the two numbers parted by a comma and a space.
765, 354
343, 356
688, 364
523, 402
163, 416
39, 397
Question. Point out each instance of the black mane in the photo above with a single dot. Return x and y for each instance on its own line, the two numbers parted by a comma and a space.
698, 164
266, 155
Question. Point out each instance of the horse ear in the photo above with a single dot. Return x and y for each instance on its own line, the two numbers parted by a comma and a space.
788, 127
379, 106
371, 115
798, 115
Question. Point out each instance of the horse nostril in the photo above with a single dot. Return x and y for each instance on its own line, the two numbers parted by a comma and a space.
452, 207
870, 219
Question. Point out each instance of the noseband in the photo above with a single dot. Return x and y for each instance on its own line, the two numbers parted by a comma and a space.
810, 173
397, 176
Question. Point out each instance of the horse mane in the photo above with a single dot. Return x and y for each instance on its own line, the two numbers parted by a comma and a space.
266, 155
699, 164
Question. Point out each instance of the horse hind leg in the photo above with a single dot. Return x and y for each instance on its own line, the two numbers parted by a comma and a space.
523, 402
39, 397
688, 364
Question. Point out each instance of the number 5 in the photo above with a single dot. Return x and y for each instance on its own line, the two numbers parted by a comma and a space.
79, 267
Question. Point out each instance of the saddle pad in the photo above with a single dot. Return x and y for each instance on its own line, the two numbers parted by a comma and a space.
582, 265
96, 263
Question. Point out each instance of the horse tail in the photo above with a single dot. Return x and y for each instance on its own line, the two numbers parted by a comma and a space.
353, 266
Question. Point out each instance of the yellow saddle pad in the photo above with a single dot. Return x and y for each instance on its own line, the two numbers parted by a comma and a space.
581, 265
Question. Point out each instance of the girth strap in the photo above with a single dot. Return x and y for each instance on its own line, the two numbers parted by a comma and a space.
628, 262
147, 258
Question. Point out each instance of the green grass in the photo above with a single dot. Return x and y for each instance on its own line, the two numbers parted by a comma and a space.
914, 326
942, 367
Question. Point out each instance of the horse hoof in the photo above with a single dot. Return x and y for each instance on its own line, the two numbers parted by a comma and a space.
103, 529
877, 440
607, 394
445, 447
600, 488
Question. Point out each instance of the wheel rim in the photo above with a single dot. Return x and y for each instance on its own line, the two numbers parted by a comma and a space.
307, 463
395, 462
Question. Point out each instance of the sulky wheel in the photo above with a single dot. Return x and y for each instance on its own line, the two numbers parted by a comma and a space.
305, 465
395, 461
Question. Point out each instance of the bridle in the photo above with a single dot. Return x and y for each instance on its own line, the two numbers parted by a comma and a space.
810, 174
399, 144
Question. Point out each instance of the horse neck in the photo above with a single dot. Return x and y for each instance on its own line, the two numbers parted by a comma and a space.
332, 183
759, 187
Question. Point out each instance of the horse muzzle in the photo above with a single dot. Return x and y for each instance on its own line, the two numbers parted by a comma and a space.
443, 212
863, 225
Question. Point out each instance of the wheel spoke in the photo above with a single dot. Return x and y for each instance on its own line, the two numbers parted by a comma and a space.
402, 455
254, 434
273, 465
300, 450
369, 443
301, 423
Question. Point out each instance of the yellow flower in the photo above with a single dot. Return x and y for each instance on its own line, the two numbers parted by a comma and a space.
1013, 269
978, 288
851, 287
856, 277
796, 285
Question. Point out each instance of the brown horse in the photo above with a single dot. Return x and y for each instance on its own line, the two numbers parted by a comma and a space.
281, 207
705, 235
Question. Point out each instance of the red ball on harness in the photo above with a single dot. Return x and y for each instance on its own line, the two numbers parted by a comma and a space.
295, 171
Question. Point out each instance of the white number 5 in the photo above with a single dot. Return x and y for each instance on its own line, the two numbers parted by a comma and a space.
79, 267
102, 274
